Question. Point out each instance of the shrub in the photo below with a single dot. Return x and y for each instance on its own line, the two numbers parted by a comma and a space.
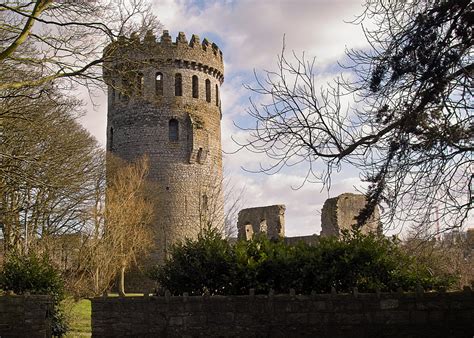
35, 274
368, 262
200, 266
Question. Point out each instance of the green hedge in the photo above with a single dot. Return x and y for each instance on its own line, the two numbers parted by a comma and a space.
35, 274
211, 265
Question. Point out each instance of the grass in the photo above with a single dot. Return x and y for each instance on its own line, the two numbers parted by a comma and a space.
79, 314
127, 295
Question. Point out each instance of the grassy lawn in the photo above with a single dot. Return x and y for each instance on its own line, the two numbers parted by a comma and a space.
79, 314
127, 295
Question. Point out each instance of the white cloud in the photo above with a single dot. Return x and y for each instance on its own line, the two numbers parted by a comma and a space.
252, 31
95, 119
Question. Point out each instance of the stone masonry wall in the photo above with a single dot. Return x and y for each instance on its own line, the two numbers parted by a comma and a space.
269, 220
340, 213
25, 316
329, 315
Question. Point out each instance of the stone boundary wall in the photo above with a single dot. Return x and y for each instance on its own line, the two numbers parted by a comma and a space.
318, 315
25, 316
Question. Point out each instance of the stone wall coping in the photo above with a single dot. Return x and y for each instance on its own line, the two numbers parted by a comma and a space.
26, 295
467, 292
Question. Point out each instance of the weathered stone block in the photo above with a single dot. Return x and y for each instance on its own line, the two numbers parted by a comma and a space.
176, 321
417, 316
389, 304
297, 318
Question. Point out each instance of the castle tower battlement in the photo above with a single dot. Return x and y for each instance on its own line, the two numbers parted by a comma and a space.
164, 102
205, 57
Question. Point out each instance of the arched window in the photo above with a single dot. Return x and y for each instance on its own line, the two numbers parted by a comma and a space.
263, 226
195, 87
248, 231
217, 95
173, 132
208, 90
159, 84
178, 85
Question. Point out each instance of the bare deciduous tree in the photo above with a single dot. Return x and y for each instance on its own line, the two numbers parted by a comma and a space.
451, 254
219, 203
47, 46
128, 214
409, 127
63, 40
46, 169
121, 232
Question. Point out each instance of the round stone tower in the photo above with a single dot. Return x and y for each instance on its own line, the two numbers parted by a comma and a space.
164, 102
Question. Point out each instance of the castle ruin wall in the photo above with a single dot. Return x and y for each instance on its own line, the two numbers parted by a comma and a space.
269, 220
340, 213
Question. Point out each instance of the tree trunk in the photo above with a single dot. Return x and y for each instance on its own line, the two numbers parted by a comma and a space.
121, 286
96, 281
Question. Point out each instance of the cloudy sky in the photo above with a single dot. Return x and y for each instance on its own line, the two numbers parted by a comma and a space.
250, 34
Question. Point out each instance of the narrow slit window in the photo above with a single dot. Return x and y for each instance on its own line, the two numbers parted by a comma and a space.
208, 90
199, 156
217, 95
195, 87
178, 85
159, 84
173, 131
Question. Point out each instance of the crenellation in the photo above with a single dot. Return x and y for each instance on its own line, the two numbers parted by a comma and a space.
195, 42
122, 40
181, 38
133, 53
215, 49
166, 38
205, 44
134, 37
150, 38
